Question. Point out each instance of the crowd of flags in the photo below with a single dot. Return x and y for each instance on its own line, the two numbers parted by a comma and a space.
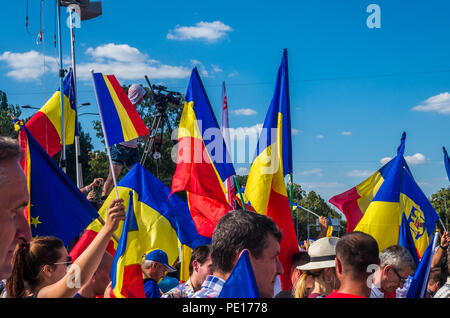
388, 205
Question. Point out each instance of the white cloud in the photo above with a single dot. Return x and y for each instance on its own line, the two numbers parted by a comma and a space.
321, 185
216, 68
127, 63
346, 133
122, 60
233, 74
416, 159
240, 133
242, 171
208, 31
295, 131
359, 173
244, 112
439, 103
315, 171
28, 66
320, 136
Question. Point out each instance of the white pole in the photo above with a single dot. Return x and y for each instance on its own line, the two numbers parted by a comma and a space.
308, 211
61, 90
78, 167
106, 139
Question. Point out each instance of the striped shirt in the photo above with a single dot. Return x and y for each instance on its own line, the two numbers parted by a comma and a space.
211, 288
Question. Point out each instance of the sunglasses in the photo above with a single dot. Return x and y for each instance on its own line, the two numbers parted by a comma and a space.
403, 280
68, 262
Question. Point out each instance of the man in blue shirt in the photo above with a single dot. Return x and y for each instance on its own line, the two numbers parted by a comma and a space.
154, 268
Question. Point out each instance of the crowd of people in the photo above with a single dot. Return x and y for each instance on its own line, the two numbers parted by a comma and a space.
347, 267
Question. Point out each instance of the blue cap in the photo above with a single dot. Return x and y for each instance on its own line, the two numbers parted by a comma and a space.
161, 257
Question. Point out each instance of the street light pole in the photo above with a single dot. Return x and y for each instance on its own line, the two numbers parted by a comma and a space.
61, 89
79, 170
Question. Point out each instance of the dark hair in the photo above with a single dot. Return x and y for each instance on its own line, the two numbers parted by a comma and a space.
9, 148
356, 251
300, 258
238, 230
199, 254
435, 275
28, 261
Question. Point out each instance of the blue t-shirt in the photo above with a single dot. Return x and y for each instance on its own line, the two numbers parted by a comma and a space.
151, 289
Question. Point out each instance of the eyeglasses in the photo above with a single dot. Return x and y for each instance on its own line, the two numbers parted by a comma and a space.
68, 262
403, 280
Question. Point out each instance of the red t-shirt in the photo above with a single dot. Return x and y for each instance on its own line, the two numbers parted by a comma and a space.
336, 294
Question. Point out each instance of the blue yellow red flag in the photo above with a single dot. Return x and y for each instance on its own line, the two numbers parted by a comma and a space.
203, 162
266, 188
330, 227
46, 124
56, 207
164, 222
405, 239
242, 282
120, 119
377, 204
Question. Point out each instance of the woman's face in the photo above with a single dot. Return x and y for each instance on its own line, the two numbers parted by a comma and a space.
61, 266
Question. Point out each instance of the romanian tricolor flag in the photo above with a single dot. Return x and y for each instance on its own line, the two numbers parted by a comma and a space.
330, 227
266, 188
46, 126
203, 163
376, 205
164, 222
56, 207
120, 119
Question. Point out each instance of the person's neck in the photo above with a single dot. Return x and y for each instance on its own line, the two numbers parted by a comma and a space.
354, 287
224, 276
320, 288
86, 291
195, 282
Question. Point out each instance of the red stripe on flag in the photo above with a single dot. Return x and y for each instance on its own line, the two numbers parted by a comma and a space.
138, 124
133, 283
347, 202
45, 133
193, 173
279, 210
84, 241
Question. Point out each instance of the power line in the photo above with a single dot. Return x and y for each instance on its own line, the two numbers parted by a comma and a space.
336, 78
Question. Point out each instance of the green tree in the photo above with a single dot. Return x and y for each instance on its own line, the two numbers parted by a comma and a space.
441, 203
6, 124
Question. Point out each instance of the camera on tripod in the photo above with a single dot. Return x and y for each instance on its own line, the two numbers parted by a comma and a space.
161, 100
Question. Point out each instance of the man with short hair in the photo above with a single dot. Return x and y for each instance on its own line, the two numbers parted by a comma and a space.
14, 198
99, 281
356, 253
433, 283
200, 266
396, 264
236, 231
154, 268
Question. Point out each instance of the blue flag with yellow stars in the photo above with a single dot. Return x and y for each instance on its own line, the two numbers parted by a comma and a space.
57, 207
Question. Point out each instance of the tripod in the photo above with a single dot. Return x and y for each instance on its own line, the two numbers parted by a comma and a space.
158, 123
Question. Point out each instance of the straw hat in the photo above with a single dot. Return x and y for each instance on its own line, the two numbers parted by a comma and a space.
322, 254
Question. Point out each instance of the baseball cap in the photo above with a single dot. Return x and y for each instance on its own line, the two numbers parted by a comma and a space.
159, 256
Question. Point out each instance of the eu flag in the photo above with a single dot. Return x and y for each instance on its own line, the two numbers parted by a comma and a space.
57, 207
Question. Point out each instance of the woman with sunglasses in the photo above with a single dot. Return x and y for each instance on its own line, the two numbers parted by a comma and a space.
44, 269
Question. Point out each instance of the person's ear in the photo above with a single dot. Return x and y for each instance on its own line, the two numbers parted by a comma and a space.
338, 267
47, 270
195, 265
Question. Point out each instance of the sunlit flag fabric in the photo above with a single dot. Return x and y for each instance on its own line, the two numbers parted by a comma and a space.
376, 205
242, 282
330, 227
126, 272
203, 163
46, 124
164, 222
266, 188
405, 239
419, 282
120, 119
57, 207
446, 162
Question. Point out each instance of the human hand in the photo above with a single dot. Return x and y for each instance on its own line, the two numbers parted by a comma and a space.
445, 239
324, 222
98, 182
115, 214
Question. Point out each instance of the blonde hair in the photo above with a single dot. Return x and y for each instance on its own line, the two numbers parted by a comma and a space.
301, 289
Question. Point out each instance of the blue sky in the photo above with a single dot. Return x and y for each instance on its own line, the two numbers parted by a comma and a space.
354, 89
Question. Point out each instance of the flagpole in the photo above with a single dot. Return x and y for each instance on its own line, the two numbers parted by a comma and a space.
236, 183
106, 139
78, 167
318, 216
61, 90
291, 192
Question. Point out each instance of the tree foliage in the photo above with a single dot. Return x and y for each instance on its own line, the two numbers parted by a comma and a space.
441, 203
6, 109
